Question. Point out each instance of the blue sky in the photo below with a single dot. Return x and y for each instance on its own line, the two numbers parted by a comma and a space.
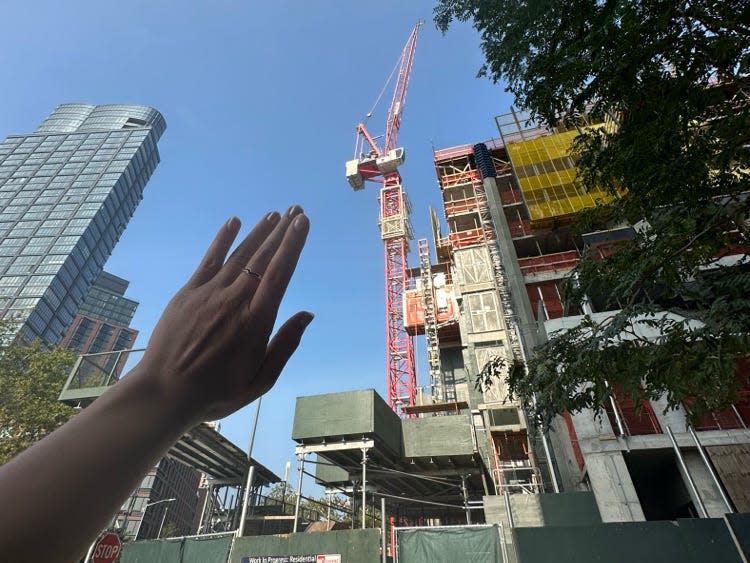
261, 100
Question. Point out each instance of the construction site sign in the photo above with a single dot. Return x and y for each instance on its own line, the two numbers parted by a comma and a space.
312, 558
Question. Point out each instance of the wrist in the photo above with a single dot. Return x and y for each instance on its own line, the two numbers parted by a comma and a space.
145, 393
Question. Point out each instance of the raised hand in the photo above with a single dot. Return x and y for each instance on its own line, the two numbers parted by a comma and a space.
212, 350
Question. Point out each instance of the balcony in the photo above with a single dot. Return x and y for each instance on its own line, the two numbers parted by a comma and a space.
462, 239
549, 262
455, 207
458, 178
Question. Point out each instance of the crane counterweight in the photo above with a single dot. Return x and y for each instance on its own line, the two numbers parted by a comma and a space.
369, 166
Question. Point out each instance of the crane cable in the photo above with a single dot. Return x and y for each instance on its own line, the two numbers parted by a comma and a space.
382, 91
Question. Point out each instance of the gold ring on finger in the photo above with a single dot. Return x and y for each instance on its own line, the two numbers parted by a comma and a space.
252, 274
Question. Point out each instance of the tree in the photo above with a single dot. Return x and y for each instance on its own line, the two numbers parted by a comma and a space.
674, 79
31, 378
310, 507
169, 530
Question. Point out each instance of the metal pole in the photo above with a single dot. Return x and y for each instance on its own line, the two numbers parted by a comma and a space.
90, 552
735, 540
354, 504
547, 454
465, 494
684, 468
616, 412
143, 515
383, 530
503, 547
140, 523
164, 517
203, 510
737, 415
364, 487
248, 486
283, 490
300, 469
511, 525
250, 470
714, 477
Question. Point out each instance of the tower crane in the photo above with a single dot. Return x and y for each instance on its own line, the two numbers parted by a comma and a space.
379, 163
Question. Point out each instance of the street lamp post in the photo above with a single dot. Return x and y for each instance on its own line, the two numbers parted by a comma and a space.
140, 523
163, 517
250, 472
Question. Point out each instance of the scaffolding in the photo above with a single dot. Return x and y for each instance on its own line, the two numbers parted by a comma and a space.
546, 174
544, 167
439, 391
476, 257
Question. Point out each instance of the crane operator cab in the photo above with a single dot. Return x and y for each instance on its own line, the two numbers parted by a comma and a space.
368, 166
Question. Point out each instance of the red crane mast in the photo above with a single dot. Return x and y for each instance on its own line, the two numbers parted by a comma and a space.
380, 164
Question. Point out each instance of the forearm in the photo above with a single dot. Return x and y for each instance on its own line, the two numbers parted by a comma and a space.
106, 449
210, 354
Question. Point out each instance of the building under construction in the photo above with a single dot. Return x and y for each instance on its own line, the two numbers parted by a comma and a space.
451, 468
455, 470
467, 454
458, 471
508, 205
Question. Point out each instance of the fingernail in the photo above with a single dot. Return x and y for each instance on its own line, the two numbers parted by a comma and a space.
233, 223
273, 216
294, 210
306, 320
300, 223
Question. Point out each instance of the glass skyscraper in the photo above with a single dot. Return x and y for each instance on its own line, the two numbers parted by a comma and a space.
67, 192
106, 300
103, 320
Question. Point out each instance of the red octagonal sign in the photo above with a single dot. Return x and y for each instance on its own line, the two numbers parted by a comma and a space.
107, 549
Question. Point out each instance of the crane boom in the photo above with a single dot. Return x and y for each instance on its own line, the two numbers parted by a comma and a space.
393, 121
381, 165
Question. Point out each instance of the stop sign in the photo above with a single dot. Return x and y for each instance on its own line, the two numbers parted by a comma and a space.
107, 549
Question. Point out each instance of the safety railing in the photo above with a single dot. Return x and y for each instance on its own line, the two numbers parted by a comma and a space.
517, 478
549, 262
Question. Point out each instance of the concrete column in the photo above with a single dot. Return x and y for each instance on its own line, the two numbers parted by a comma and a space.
613, 488
527, 325
589, 425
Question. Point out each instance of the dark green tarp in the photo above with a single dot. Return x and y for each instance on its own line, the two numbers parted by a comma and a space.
354, 546
163, 551
448, 545
699, 540
183, 550
740, 524
211, 550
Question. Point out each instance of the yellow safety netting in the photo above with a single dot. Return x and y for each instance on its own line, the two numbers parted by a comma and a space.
546, 175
